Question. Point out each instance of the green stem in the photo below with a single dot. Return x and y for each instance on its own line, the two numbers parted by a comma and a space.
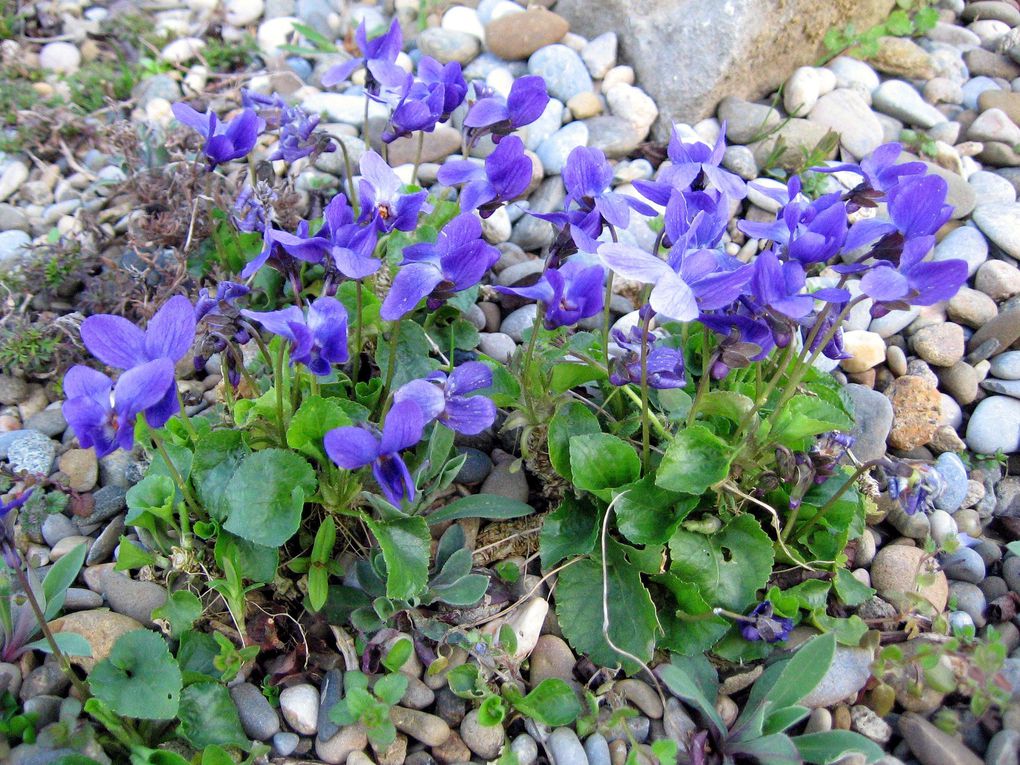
530, 353
278, 385
188, 426
189, 503
391, 366
830, 503
656, 423
353, 199
228, 389
40, 617
358, 321
606, 300
703, 382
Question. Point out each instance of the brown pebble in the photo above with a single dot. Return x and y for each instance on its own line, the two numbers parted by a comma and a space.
841, 717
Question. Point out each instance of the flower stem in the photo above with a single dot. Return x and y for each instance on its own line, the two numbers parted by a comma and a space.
831, 502
530, 353
278, 385
699, 395
189, 503
188, 426
391, 365
353, 200
40, 617
417, 157
358, 321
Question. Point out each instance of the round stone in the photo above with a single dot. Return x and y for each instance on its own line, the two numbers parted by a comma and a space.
896, 569
61, 57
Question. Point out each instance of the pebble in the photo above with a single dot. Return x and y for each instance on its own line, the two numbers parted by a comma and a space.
484, 740
132, 597
429, 729
614, 136
81, 468
991, 188
932, 746
898, 99
971, 308
60, 57
895, 569
940, 344
463, 19
902, 57
634, 105
258, 718
32, 452
100, 627
596, 749
1001, 224
849, 671
746, 121
342, 107
866, 350
182, 50
447, 45
527, 621
497, 345
641, 695
969, 598
964, 565
57, 526
300, 707
951, 468
869, 724
996, 278
13, 390
995, 425
849, 114
555, 149
916, 411
1004, 748
526, 749
241, 13
565, 748
551, 658
284, 743
330, 692
516, 36
1011, 573
599, 55
564, 72
965, 243
351, 740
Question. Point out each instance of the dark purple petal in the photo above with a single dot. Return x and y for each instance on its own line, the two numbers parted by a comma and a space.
143, 387
327, 320
485, 112
412, 283
114, 340
469, 377
394, 479
469, 416
527, 100
403, 427
171, 331
351, 448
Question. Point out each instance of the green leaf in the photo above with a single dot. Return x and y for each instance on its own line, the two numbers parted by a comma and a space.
208, 716
571, 530
728, 567
412, 360
398, 655
776, 749
153, 495
217, 456
851, 590
829, 746
139, 678
601, 461
314, 419
649, 515
571, 419
551, 703
215, 755
391, 688
1014, 547
781, 719
256, 563
728, 404
492, 711
805, 416
405, 548
685, 686
69, 643
695, 460
848, 631
489, 506
266, 496
180, 611
803, 671
690, 637
61, 576
566, 376
899, 24
466, 591
463, 681
130, 556
632, 622
181, 457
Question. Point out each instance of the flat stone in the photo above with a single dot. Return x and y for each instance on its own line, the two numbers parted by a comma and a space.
899, 99
32, 453
965, 243
100, 628
614, 136
916, 411
932, 746
846, 112
447, 45
132, 597
564, 72
902, 57
873, 417
994, 426
258, 718
1004, 329
746, 121
895, 571
516, 36
998, 279
849, 671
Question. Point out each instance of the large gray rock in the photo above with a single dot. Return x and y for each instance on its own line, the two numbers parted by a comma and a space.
735, 43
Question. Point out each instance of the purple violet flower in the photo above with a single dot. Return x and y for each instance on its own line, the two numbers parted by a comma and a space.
102, 414
223, 142
118, 343
446, 399
914, 485
572, 292
762, 624
381, 199
418, 107
226, 293
694, 165
355, 447
297, 136
450, 77
456, 261
917, 208
664, 365
879, 170
378, 56
695, 220
779, 287
492, 114
914, 281
588, 179
318, 339
506, 175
